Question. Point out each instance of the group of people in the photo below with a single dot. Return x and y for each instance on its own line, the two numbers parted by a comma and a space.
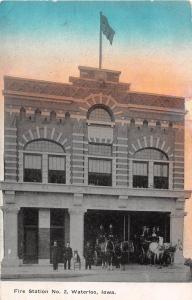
108, 251
67, 256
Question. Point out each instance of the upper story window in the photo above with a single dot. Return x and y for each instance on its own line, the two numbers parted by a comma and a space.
44, 161
100, 169
160, 175
100, 149
32, 168
44, 146
100, 172
56, 171
140, 174
150, 154
150, 169
100, 114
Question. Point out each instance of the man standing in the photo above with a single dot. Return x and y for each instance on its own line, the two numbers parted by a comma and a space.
55, 255
67, 256
101, 235
88, 254
111, 235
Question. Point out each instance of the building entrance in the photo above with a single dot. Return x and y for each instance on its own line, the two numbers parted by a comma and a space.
151, 220
30, 235
127, 226
120, 221
57, 233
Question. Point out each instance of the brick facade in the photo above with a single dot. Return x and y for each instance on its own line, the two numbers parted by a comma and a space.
36, 110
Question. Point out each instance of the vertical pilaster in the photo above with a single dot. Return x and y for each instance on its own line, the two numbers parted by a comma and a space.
114, 172
44, 236
77, 161
130, 173
68, 169
10, 216
10, 151
150, 183
121, 168
44, 168
86, 165
21, 166
170, 175
67, 227
77, 229
177, 225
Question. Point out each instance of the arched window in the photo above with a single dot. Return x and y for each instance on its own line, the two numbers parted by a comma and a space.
151, 154
99, 114
44, 161
150, 169
44, 146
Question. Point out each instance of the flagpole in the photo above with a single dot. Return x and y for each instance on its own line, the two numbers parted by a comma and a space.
100, 44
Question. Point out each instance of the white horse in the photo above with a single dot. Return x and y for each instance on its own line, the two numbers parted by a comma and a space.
161, 252
156, 250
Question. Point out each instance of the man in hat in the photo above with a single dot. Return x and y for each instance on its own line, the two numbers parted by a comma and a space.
88, 254
101, 235
111, 235
54, 253
67, 256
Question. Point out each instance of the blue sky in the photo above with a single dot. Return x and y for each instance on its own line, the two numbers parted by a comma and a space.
136, 22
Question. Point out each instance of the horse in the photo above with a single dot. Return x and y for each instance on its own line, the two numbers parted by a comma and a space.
144, 251
155, 252
161, 252
103, 253
109, 252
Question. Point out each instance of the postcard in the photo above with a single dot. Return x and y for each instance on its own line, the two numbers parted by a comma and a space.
96, 139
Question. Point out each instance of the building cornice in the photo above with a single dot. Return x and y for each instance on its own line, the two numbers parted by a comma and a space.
46, 90
93, 190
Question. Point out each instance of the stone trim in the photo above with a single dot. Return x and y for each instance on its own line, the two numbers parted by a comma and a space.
44, 132
148, 143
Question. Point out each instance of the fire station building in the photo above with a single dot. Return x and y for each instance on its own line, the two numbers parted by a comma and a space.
85, 153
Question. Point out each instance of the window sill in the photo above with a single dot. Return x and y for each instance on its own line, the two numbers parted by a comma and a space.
151, 188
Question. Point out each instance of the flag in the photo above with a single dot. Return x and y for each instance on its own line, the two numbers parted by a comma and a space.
106, 29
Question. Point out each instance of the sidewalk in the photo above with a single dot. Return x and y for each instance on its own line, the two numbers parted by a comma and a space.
132, 273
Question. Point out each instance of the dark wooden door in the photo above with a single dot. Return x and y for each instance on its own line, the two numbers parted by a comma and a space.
30, 245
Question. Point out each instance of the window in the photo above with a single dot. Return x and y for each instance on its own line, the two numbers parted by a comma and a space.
44, 161
157, 162
100, 149
100, 172
100, 114
44, 146
140, 174
160, 172
56, 169
150, 154
32, 168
